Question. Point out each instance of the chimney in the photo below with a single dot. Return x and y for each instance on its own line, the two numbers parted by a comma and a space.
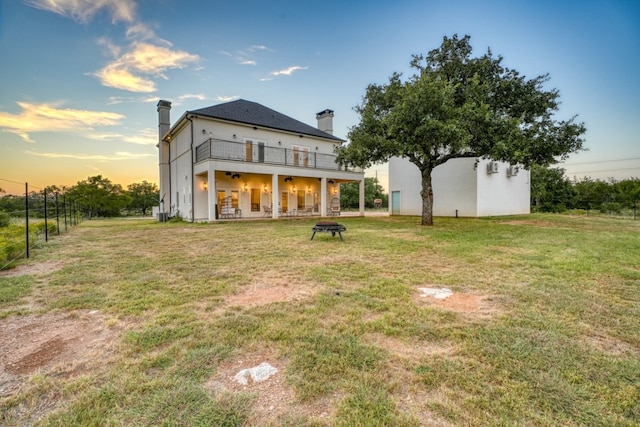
164, 125
325, 121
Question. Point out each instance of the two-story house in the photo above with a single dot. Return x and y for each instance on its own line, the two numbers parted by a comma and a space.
241, 159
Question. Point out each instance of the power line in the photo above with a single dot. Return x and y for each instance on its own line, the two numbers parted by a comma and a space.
606, 170
600, 161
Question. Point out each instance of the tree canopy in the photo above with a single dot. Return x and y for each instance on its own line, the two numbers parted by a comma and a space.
456, 105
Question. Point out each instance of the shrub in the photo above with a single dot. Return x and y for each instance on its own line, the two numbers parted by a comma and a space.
611, 207
5, 219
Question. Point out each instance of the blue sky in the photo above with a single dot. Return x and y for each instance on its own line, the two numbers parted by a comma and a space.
81, 79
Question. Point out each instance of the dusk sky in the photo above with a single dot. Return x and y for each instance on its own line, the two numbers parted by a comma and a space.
81, 78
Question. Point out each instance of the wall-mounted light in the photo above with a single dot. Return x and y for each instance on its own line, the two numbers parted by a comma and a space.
234, 136
279, 142
293, 189
265, 188
205, 185
246, 187
335, 190
309, 189
204, 131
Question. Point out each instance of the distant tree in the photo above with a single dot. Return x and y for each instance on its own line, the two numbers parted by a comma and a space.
627, 192
456, 105
98, 196
592, 194
350, 193
551, 190
143, 195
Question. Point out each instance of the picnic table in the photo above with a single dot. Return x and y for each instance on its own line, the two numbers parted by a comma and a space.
328, 227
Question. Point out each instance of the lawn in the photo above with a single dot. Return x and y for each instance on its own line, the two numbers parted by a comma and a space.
134, 322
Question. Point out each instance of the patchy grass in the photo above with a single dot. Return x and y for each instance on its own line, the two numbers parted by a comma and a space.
543, 328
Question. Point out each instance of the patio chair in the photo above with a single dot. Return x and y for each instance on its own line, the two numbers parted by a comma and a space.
334, 206
267, 210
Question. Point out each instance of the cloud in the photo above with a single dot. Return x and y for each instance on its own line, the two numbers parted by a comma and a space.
96, 157
288, 71
246, 56
128, 71
49, 118
226, 98
84, 10
148, 136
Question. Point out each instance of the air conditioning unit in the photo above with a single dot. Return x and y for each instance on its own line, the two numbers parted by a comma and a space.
492, 167
512, 170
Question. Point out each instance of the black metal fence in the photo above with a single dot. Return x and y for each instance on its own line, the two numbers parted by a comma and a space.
29, 221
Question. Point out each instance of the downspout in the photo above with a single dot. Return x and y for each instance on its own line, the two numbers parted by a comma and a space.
193, 178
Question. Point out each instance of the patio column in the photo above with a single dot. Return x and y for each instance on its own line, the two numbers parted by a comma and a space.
323, 196
275, 198
212, 193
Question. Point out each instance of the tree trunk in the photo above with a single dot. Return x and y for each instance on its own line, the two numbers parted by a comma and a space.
427, 197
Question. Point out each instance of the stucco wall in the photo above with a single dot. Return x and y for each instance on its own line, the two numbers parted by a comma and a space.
461, 185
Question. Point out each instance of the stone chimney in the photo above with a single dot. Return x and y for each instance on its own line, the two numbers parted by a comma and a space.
164, 125
325, 121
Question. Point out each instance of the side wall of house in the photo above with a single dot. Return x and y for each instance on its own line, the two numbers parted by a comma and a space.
460, 186
501, 192
455, 188
181, 175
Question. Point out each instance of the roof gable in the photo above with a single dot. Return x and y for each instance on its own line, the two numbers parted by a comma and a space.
252, 113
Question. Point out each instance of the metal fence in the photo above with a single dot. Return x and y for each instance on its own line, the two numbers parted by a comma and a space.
43, 215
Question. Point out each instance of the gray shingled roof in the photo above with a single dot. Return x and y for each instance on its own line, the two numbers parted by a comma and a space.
252, 113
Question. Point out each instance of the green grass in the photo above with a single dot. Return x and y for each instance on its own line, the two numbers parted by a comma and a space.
557, 343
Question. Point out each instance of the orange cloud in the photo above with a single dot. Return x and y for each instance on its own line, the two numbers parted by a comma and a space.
49, 118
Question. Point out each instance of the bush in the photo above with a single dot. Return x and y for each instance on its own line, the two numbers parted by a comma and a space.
5, 219
611, 207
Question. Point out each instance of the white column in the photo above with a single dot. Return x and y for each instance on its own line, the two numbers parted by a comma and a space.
323, 197
213, 193
275, 196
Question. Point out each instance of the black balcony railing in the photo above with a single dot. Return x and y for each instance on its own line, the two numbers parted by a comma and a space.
259, 153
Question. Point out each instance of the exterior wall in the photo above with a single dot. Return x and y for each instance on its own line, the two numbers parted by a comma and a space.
455, 188
181, 174
500, 194
461, 185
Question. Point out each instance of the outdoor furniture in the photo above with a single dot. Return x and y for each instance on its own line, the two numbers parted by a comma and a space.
328, 227
267, 210
334, 207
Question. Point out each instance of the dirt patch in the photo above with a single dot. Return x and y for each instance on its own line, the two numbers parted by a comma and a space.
611, 346
407, 350
59, 345
460, 302
35, 268
274, 400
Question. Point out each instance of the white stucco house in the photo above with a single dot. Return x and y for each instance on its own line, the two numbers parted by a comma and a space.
464, 187
240, 160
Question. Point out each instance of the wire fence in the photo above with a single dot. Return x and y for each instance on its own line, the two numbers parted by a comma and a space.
40, 216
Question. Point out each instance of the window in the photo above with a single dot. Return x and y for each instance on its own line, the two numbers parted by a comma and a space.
250, 153
300, 156
301, 199
255, 200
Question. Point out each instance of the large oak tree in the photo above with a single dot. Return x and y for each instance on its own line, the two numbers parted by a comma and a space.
457, 105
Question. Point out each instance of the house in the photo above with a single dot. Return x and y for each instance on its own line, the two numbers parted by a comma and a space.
241, 159
466, 187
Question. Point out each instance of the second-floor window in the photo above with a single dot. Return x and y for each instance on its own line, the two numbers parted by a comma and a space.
254, 150
300, 156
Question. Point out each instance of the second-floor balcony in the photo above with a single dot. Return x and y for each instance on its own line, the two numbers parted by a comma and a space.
257, 152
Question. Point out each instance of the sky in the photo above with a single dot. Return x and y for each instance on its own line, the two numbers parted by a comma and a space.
80, 79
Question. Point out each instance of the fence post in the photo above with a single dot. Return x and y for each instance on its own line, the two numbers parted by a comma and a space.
57, 215
46, 223
64, 210
26, 214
